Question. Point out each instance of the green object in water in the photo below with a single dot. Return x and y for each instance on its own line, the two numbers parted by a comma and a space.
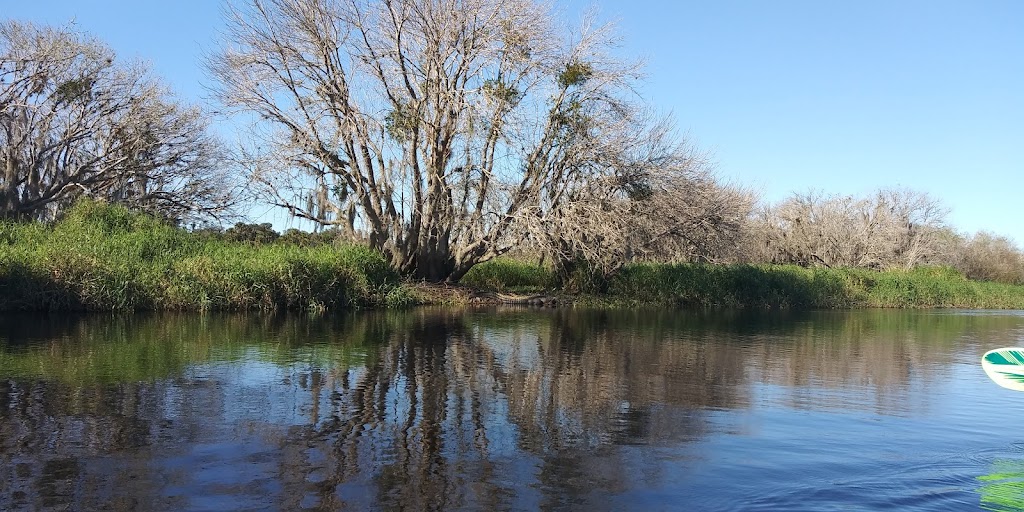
1003, 489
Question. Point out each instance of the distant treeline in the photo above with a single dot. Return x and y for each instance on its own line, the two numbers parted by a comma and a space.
888, 229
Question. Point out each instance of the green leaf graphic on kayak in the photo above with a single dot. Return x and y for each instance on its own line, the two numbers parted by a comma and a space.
1005, 366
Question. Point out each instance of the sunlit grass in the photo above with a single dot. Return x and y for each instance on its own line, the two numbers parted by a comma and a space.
104, 257
776, 286
764, 286
509, 275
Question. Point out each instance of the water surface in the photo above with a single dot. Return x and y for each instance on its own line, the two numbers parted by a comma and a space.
510, 410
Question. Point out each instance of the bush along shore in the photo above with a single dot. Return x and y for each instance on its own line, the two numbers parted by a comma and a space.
106, 258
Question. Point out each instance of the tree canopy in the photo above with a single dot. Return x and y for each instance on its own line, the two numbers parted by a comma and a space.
447, 132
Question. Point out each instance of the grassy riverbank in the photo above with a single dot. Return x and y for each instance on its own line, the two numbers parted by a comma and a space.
765, 286
106, 258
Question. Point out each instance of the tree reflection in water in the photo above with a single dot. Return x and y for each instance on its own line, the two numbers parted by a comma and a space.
427, 409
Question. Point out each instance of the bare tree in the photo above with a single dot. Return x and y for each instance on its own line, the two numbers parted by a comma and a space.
662, 203
441, 129
891, 228
914, 222
988, 257
74, 122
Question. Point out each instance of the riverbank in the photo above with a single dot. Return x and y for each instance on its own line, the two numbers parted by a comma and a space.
762, 286
103, 258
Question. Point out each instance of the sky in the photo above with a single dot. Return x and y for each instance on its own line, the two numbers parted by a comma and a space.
787, 95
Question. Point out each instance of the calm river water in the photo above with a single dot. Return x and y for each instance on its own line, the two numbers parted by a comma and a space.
510, 409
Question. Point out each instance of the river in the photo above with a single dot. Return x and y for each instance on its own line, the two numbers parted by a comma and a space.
510, 409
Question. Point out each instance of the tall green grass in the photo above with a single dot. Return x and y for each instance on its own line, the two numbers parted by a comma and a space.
508, 275
764, 286
102, 257
732, 286
779, 286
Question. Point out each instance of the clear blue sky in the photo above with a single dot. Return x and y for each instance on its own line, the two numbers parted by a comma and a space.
845, 97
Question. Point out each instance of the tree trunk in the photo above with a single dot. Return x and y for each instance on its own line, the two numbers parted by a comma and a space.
9, 187
458, 273
433, 265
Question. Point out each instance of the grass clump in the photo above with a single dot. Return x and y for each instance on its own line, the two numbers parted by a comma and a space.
103, 257
508, 275
758, 286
